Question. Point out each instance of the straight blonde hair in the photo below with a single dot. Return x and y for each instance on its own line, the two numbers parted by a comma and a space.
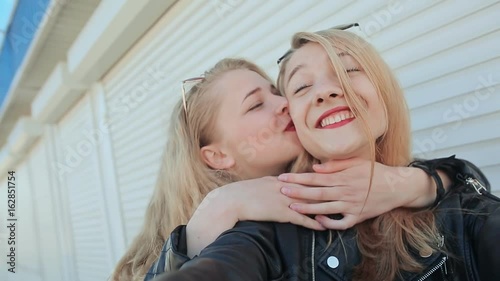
385, 242
184, 178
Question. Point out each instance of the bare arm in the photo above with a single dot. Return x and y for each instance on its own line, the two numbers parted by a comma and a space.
257, 200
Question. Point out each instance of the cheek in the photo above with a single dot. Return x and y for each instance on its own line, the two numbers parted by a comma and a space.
297, 112
253, 127
379, 118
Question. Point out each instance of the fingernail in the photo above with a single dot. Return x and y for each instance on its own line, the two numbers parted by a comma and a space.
283, 177
318, 166
285, 190
294, 207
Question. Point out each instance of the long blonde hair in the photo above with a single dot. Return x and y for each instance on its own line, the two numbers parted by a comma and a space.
385, 242
184, 178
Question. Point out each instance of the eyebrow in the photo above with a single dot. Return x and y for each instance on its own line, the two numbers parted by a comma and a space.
294, 71
250, 93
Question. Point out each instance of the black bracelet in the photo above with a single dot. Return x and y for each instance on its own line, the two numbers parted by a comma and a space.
430, 169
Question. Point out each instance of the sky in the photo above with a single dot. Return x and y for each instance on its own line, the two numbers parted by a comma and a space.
6, 7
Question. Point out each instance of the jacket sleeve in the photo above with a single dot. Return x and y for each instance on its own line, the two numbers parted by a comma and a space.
488, 248
173, 254
457, 171
482, 222
245, 253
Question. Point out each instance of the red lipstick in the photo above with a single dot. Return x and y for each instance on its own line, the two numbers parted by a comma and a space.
330, 112
290, 127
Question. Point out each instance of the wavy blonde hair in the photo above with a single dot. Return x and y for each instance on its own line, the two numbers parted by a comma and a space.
184, 178
385, 242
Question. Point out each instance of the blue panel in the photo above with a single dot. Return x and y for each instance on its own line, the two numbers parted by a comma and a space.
24, 25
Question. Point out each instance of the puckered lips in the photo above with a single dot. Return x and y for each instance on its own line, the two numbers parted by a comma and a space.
290, 127
335, 117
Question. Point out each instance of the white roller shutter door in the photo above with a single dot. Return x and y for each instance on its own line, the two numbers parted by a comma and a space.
45, 203
89, 226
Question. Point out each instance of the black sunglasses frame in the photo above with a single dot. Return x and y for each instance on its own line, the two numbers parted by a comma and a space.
338, 27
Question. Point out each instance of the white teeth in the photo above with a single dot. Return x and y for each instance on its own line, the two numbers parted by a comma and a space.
339, 116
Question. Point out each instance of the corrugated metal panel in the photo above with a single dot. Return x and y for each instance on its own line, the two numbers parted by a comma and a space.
90, 237
45, 211
441, 51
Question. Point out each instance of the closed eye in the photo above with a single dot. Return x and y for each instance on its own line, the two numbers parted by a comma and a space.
352, 69
256, 106
301, 88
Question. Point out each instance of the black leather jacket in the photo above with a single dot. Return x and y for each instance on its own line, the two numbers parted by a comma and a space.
468, 222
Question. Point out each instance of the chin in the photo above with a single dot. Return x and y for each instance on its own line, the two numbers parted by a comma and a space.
339, 153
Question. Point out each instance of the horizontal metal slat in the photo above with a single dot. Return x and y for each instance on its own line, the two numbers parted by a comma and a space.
469, 131
473, 52
453, 84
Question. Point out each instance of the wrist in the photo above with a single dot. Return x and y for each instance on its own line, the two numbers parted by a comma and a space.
429, 167
423, 189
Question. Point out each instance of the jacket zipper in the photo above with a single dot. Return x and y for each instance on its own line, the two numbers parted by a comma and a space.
313, 256
477, 185
430, 272
471, 181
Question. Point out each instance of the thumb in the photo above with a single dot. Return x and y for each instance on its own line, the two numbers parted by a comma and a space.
336, 165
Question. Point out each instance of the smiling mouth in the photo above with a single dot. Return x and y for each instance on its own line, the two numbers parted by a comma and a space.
335, 117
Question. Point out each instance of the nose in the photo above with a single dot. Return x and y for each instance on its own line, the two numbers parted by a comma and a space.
327, 92
282, 107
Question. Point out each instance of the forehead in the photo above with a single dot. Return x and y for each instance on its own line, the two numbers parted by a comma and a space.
240, 80
308, 51
314, 53
232, 86
313, 50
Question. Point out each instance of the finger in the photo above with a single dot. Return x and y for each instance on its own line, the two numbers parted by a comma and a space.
291, 200
324, 208
346, 222
308, 179
336, 166
305, 221
313, 193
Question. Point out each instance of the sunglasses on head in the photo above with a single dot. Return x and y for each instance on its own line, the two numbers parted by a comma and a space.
338, 27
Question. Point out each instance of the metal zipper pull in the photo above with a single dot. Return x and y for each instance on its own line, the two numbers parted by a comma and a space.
478, 186
441, 241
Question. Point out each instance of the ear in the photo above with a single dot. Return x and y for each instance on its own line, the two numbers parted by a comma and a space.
215, 158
